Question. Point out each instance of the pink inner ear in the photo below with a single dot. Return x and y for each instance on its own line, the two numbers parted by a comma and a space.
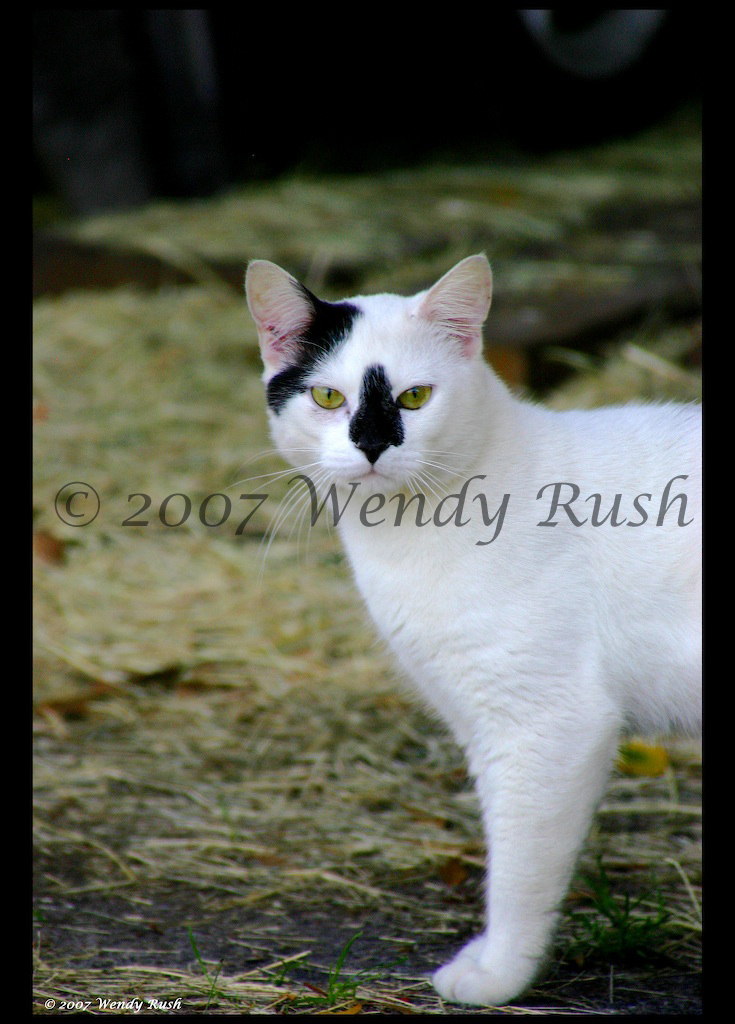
468, 337
280, 338
459, 302
276, 344
459, 329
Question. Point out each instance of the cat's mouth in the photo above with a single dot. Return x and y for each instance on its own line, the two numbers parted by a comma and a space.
370, 476
373, 476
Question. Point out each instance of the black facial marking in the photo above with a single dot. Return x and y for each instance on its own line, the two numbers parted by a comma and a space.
330, 324
377, 423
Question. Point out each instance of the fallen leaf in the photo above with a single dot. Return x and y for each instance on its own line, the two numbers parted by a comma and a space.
453, 872
40, 412
638, 758
75, 705
48, 548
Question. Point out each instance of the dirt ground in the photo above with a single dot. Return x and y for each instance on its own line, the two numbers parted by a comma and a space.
158, 862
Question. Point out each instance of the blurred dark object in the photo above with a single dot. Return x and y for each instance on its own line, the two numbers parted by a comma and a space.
128, 105
594, 43
603, 73
86, 125
125, 106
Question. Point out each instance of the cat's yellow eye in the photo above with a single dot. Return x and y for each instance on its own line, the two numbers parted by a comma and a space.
327, 398
415, 397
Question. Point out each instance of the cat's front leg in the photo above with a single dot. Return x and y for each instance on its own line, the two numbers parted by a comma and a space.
537, 795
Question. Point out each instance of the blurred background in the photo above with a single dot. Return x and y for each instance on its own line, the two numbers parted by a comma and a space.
169, 139
226, 771
131, 105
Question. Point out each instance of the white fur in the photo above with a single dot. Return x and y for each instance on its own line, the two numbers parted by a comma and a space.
539, 648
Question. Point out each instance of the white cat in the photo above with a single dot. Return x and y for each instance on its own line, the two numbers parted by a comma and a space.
553, 602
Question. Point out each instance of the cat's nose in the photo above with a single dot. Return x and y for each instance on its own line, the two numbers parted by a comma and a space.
372, 452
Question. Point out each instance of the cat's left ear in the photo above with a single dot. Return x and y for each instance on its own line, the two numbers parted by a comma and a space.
460, 301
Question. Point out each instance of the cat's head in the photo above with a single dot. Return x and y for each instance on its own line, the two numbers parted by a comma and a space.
379, 389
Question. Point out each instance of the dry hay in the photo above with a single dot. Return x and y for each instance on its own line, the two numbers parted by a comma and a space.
219, 741
398, 231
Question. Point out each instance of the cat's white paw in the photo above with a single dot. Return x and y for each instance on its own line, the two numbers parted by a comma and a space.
472, 978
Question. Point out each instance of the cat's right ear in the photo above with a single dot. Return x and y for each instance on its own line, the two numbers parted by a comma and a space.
459, 302
281, 309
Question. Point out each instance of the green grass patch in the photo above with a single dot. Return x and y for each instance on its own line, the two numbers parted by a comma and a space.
616, 927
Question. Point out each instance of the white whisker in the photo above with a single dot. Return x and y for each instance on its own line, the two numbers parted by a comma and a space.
297, 502
276, 475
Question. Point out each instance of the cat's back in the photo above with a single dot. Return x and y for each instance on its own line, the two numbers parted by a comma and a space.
636, 438
637, 527
626, 482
